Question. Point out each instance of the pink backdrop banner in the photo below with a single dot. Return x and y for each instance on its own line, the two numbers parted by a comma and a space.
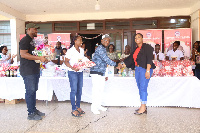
182, 35
151, 37
64, 38
38, 36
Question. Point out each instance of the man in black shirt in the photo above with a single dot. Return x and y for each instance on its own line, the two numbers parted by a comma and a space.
30, 70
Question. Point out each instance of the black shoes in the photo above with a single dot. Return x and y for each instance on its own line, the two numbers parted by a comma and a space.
136, 113
138, 109
34, 116
39, 113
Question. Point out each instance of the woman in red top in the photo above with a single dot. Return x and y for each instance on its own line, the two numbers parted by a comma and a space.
141, 59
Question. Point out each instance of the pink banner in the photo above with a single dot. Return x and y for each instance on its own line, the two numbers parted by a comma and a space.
151, 37
182, 35
64, 38
38, 36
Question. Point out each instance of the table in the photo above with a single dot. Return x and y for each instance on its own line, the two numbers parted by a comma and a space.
119, 91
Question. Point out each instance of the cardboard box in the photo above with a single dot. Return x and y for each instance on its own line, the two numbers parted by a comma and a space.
15, 101
2, 100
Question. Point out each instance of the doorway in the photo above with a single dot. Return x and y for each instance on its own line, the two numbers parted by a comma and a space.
90, 41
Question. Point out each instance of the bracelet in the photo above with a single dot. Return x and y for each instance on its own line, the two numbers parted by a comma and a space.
147, 71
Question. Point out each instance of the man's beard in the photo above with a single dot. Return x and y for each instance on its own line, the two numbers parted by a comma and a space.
34, 34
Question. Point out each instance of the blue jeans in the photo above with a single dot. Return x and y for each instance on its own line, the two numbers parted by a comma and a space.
76, 84
142, 83
197, 73
31, 86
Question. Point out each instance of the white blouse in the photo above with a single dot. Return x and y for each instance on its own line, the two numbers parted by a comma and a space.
74, 56
178, 54
161, 56
4, 57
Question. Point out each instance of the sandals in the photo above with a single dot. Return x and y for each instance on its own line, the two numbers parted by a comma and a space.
80, 112
76, 115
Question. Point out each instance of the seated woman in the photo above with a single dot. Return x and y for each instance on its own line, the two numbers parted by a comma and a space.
126, 53
112, 54
175, 54
196, 58
157, 55
6, 58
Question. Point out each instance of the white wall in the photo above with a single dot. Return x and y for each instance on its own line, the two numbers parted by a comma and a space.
195, 21
11, 13
2, 18
13, 37
195, 26
109, 15
17, 27
199, 25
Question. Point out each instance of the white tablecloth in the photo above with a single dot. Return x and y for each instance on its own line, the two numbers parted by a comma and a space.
119, 91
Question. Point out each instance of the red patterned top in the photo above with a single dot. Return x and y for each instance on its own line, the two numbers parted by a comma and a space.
136, 54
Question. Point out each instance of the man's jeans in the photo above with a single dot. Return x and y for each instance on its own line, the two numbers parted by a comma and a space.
76, 84
31, 86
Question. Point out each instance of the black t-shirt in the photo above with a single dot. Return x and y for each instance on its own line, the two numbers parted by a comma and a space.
28, 67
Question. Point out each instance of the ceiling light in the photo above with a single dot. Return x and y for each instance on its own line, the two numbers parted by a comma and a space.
97, 6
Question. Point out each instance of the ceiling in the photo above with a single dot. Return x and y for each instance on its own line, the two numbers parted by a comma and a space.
39, 7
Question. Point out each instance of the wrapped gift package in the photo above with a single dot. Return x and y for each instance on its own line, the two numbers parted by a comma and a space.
173, 68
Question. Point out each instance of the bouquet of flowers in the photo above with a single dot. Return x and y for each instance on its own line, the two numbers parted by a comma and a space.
84, 63
41, 49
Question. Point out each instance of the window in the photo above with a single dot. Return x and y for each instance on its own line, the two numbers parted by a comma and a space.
117, 25
144, 24
45, 28
5, 35
173, 23
70, 26
91, 26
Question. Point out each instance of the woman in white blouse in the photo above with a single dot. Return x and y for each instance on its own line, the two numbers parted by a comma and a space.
6, 58
73, 55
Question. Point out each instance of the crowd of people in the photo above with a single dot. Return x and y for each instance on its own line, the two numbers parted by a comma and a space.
140, 58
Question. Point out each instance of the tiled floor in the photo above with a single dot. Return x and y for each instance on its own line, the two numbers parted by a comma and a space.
58, 119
